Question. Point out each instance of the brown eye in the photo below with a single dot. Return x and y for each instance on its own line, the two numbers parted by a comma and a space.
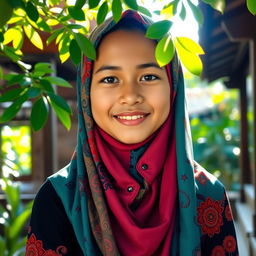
149, 78
109, 80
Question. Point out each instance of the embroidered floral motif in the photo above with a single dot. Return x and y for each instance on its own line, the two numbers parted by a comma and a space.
210, 216
218, 251
229, 244
201, 178
35, 248
87, 70
103, 177
228, 213
93, 147
184, 177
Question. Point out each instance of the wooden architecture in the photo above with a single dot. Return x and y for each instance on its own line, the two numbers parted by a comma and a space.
229, 41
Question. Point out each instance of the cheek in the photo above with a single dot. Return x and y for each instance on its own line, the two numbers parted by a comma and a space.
100, 103
162, 102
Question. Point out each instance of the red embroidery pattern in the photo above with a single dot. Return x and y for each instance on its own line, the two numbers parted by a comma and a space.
87, 69
210, 216
228, 213
218, 251
201, 177
93, 147
35, 248
229, 244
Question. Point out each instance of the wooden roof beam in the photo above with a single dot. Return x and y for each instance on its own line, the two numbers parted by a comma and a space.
241, 27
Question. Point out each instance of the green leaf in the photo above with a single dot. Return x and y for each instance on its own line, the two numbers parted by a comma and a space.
63, 116
1, 37
158, 29
19, 223
2, 246
11, 95
17, 4
10, 52
132, 4
12, 192
183, 12
13, 78
102, 13
33, 36
197, 13
251, 5
80, 3
76, 13
190, 45
12, 110
33, 92
64, 47
42, 68
75, 52
74, 26
116, 10
60, 102
157, 12
32, 12
54, 2
42, 25
25, 81
164, 51
54, 35
18, 40
58, 81
6, 11
39, 114
86, 46
93, 3
144, 11
15, 35
18, 249
46, 85
190, 60
218, 5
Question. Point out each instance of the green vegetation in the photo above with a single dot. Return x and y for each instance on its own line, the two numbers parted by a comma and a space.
66, 24
16, 150
216, 136
13, 218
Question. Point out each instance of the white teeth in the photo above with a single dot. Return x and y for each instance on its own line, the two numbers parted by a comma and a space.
130, 117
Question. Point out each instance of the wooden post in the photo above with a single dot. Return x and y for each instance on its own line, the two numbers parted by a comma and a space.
245, 173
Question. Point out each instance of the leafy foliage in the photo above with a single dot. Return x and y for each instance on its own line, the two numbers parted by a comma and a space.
16, 150
251, 4
36, 86
13, 217
216, 138
67, 26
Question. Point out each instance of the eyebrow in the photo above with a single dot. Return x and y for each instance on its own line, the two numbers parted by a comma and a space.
140, 66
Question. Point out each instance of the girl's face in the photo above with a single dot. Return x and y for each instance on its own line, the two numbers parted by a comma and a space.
130, 93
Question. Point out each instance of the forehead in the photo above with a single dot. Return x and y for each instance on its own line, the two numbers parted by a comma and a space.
122, 43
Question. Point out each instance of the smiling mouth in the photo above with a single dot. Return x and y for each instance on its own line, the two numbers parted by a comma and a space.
135, 117
131, 119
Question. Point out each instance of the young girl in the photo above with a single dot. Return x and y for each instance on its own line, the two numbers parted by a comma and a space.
132, 186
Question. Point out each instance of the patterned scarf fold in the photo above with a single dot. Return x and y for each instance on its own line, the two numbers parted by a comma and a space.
85, 185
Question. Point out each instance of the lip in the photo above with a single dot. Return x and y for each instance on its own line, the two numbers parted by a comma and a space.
138, 118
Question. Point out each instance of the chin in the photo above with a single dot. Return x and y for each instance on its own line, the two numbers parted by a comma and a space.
131, 139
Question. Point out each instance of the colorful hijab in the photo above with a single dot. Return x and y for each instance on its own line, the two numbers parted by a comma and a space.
86, 187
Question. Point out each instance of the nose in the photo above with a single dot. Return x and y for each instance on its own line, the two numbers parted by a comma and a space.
130, 94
